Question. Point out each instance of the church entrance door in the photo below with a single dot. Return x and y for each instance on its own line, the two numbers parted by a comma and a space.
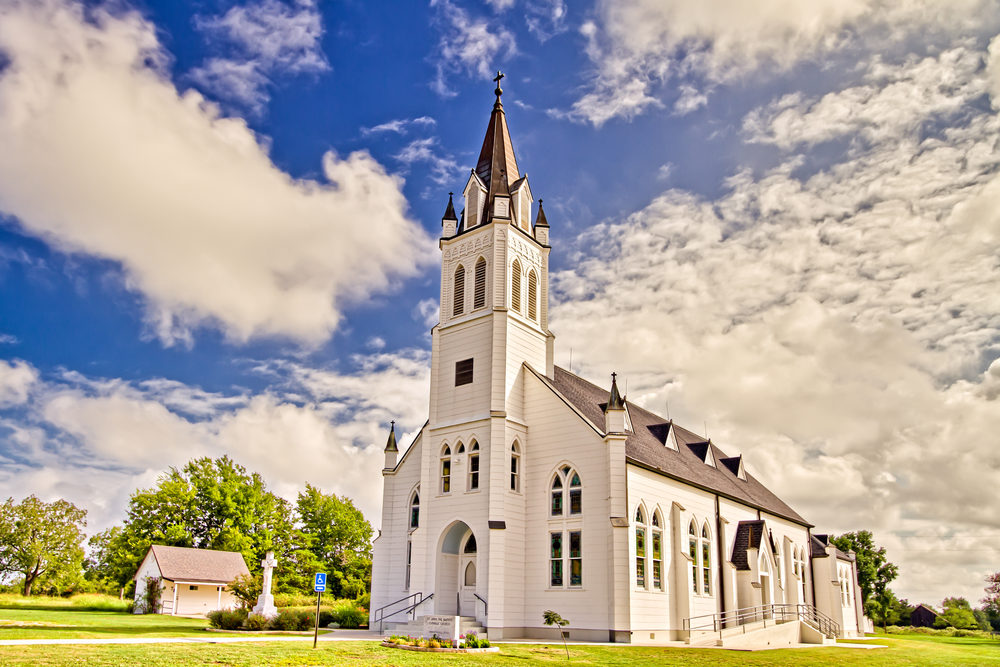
456, 572
467, 578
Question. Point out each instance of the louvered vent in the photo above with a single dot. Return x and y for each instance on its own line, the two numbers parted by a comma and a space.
515, 287
459, 305
479, 300
533, 296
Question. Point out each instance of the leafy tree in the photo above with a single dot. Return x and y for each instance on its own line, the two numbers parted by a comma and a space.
956, 613
41, 541
874, 570
108, 564
207, 504
338, 536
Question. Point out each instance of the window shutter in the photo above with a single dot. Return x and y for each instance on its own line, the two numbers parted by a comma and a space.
479, 299
515, 287
459, 296
532, 296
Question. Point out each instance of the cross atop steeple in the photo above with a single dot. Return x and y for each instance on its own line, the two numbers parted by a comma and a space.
499, 91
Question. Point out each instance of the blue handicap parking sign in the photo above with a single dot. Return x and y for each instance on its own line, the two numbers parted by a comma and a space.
319, 585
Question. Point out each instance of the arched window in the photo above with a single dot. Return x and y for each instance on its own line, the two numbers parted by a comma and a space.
479, 295
556, 508
515, 462
474, 466
640, 548
693, 553
566, 480
656, 535
460, 450
415, 509
706, 560
458, 306
446, 469
532, 295
515, 286
470, 545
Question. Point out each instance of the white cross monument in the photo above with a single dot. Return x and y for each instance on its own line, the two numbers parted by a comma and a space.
265, 603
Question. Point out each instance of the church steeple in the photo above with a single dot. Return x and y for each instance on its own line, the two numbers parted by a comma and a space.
391, 450
497, 166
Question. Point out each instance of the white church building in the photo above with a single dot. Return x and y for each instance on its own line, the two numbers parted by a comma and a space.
530, 488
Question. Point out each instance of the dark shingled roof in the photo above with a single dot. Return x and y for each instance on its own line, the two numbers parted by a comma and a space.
449, 213
184, 564
645, 448
540, 219
818, 544
748, 534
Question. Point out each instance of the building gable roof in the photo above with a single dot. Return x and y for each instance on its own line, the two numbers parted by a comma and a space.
748, 534
645, 447
186, 564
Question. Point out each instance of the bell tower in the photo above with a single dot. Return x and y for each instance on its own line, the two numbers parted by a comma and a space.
494, 287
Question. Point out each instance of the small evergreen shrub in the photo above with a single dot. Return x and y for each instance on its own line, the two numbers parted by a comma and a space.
347, 615
256, 622
227, 619
293, 619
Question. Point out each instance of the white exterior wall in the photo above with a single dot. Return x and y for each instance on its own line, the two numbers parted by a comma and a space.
558, 436
147, 568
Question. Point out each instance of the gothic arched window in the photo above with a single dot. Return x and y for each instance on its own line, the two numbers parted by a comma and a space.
706, 560
458, 306
479, 295
515, 286
640, 548
693, 553
656, 536
415, 509
446, 469
532, 296
474, 466
565, 481
515, 462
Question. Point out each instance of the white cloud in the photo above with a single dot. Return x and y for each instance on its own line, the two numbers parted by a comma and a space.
8, 339
546, 18
16, 381
637, 44
422, 151
838, 326
94, 440
500, 5
427, 311
399, 126
201, 221
993, 71
468, 44
270, 37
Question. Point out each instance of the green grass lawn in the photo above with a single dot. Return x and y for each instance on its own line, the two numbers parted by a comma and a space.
906, 649
901, 651
69, 623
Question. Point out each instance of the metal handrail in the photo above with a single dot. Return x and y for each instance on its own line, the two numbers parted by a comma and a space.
776, 612
380, 614
486, 605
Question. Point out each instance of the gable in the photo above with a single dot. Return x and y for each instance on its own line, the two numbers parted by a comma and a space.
186, 564
644, 448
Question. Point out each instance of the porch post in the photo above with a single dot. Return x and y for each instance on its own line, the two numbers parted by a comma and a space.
173, 607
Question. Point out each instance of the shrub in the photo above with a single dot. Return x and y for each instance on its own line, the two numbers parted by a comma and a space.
293, 619
326, 617
348, 615
227, 619
433, 643
255, 622
294, 600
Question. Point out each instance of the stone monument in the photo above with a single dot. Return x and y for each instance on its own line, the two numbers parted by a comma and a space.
265, 603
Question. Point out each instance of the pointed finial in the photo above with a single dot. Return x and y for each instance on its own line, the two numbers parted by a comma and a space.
540, 220
449, 213
390, 445
499, 91
615, 402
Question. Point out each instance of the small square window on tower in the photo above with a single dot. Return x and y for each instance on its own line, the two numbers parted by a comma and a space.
463, 372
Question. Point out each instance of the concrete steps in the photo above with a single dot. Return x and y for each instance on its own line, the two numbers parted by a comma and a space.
416, 627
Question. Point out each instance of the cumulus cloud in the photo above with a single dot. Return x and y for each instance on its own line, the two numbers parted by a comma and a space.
16, 380
268, 37
837, 325
104, 156
637, 44
468, 44
546, 19
94, 440
425, 151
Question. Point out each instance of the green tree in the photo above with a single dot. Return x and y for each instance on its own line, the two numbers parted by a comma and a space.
108, 563
207, 504
956, 613
991, 602
550, 617
874, 571
338, 536
41, 541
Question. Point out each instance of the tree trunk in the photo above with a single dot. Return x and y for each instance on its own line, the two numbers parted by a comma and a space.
29, 579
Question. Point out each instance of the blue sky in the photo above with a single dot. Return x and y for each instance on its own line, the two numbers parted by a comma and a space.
218, 224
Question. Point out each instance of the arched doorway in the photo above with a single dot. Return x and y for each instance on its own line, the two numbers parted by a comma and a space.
457, 572
766, 597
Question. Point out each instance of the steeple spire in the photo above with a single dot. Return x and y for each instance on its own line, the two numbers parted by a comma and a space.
497, 166
615, 402
540, 220
449, 213
390, 445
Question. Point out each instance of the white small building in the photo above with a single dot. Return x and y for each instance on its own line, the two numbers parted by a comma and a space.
530, 488
193, 581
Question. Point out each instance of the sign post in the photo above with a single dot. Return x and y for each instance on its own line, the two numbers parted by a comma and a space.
319, 585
